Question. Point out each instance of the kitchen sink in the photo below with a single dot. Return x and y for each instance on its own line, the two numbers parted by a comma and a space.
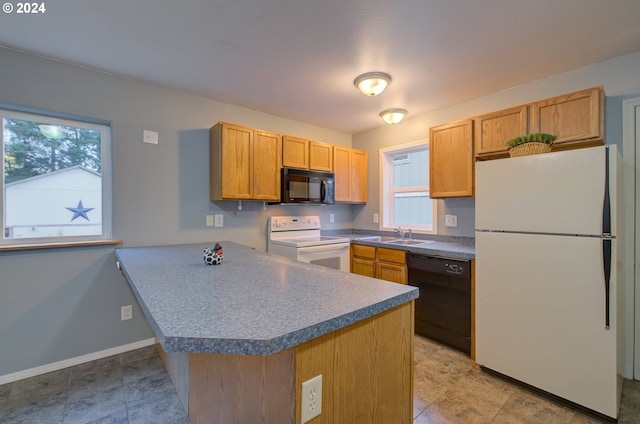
407, 242
394, 240
382, 239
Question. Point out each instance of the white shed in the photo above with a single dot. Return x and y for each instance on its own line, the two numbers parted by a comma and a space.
62, 203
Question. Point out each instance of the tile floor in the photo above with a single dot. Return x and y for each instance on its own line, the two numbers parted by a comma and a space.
449, 388
133, 387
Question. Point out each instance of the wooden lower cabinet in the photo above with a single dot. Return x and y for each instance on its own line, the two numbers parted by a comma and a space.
379, 262
366, 267
391, 272
221, 389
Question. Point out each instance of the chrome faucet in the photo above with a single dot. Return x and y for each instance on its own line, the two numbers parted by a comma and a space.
402, 234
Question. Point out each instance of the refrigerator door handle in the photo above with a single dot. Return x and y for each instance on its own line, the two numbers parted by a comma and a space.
606, 257
606, 242
606, 206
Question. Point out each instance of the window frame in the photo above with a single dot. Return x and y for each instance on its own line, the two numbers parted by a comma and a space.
387, 221
12, 112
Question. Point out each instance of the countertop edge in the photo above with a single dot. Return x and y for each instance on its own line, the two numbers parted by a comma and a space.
288, 341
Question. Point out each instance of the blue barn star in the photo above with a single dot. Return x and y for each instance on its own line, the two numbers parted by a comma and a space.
80, 211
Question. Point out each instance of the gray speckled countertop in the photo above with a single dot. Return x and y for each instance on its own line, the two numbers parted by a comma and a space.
448, 247
253, 303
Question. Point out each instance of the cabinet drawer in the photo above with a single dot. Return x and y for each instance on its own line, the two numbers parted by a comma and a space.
363, 251
392, 255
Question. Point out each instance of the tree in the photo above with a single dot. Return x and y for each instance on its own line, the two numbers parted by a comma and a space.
34, 148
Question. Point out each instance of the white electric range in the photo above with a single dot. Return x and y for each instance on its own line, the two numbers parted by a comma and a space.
298, 237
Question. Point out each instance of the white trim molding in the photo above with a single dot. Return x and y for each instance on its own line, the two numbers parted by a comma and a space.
631, 177
55, 366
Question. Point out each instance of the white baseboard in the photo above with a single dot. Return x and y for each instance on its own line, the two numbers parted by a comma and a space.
32, 372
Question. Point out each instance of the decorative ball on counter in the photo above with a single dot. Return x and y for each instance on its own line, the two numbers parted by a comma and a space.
213, 256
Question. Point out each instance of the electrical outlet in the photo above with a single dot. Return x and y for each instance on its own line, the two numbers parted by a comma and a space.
451, 220
209, 220
332, 218
219, 220
376, 218
311, 399
126, 312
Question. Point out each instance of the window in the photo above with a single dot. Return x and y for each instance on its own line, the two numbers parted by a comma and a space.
405, 200
56, 184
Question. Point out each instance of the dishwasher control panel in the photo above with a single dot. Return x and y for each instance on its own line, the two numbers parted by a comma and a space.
454, 268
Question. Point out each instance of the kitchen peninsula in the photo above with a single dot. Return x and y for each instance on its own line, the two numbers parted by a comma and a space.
240, 338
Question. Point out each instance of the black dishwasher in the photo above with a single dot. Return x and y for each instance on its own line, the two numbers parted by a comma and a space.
443, 310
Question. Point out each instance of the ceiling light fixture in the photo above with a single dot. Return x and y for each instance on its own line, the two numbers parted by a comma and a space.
393, 116
372, 83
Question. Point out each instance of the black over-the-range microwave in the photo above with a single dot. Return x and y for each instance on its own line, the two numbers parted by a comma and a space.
307, 187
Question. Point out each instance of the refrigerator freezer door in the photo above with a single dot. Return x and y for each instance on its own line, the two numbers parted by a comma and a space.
540, 315
559, 193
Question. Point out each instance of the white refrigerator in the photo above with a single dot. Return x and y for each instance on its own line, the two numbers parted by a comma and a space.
547, 273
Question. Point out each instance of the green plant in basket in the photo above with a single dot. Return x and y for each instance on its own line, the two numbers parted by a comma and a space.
532, 138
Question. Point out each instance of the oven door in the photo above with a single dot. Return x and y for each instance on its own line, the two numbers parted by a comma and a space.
334, 255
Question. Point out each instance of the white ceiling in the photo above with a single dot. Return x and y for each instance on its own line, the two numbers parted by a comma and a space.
298, 58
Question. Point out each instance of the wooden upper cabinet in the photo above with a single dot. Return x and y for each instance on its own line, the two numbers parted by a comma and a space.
306, 154
295, 152
230, 151
320, 156
244, 163
572, 117
342, 172
493, 130
359, 166
350, 170
267, 161
577, 119
451, 161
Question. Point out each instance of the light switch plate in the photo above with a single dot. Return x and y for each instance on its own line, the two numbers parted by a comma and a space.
219, 220
150, 137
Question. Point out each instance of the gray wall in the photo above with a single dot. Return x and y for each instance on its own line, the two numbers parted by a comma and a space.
58, 304
617, 75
